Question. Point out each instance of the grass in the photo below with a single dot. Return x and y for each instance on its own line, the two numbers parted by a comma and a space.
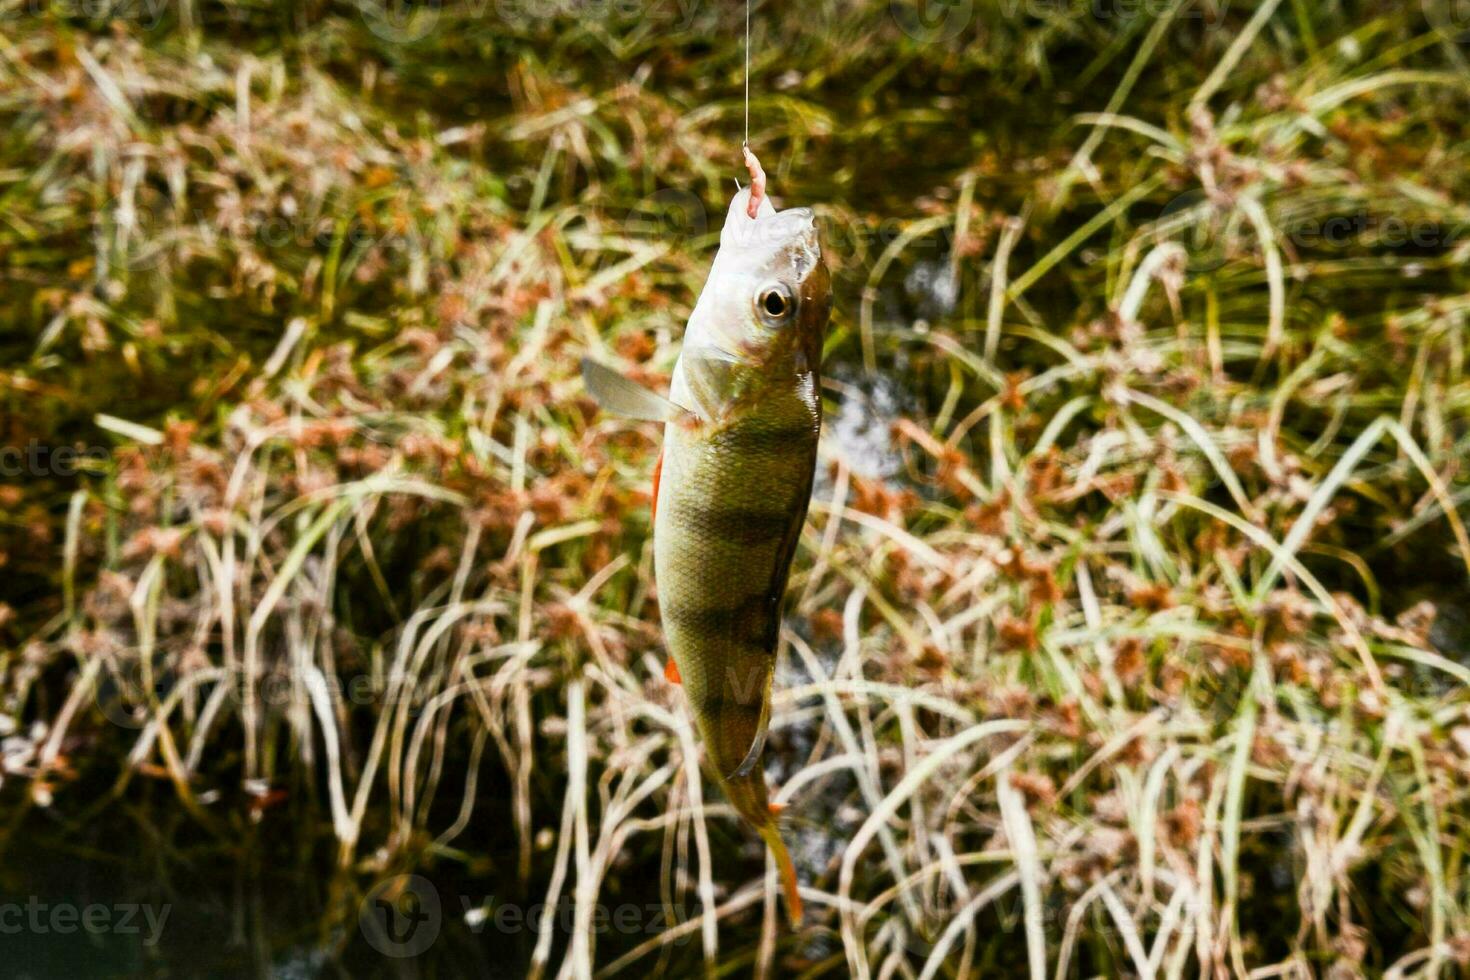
1127, 632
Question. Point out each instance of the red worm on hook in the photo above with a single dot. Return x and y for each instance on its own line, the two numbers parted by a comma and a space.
757, 181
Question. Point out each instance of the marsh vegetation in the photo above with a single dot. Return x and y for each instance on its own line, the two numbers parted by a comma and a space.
1127, 635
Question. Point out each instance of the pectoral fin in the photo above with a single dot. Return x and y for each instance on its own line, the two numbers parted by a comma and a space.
622, 396
712, 379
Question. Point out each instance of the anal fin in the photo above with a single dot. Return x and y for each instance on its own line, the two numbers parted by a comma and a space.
758, 745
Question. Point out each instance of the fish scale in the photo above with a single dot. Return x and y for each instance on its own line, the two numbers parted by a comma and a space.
733, 483
727, 524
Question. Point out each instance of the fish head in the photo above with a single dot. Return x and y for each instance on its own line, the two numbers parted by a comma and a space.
769, 294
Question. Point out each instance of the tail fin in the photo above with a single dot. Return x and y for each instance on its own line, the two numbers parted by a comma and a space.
771, 834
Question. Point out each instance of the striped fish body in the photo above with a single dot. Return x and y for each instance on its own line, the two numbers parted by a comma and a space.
740, 449
732, 500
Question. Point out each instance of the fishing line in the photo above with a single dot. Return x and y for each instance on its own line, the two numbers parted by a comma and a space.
746, 141
757, 175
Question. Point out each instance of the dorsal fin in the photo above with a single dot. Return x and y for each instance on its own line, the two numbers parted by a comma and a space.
623, 396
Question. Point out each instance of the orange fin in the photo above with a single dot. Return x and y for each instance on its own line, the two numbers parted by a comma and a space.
658, 469
671, 672
787, 871
776, 808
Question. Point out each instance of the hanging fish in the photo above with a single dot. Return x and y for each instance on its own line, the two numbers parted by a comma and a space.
732, 485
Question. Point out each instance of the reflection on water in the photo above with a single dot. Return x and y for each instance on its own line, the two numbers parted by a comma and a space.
860, 432
1425, 589
1450, 633
128, 903
141, 900
933, 286
147, 894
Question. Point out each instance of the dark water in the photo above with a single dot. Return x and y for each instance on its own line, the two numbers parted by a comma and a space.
126, 897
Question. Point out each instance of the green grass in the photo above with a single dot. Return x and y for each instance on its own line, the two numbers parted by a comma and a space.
1144, 652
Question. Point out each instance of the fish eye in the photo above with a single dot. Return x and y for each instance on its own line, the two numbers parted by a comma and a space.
774, 303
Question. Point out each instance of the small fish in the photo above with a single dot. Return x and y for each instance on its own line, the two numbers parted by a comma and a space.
732, 485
